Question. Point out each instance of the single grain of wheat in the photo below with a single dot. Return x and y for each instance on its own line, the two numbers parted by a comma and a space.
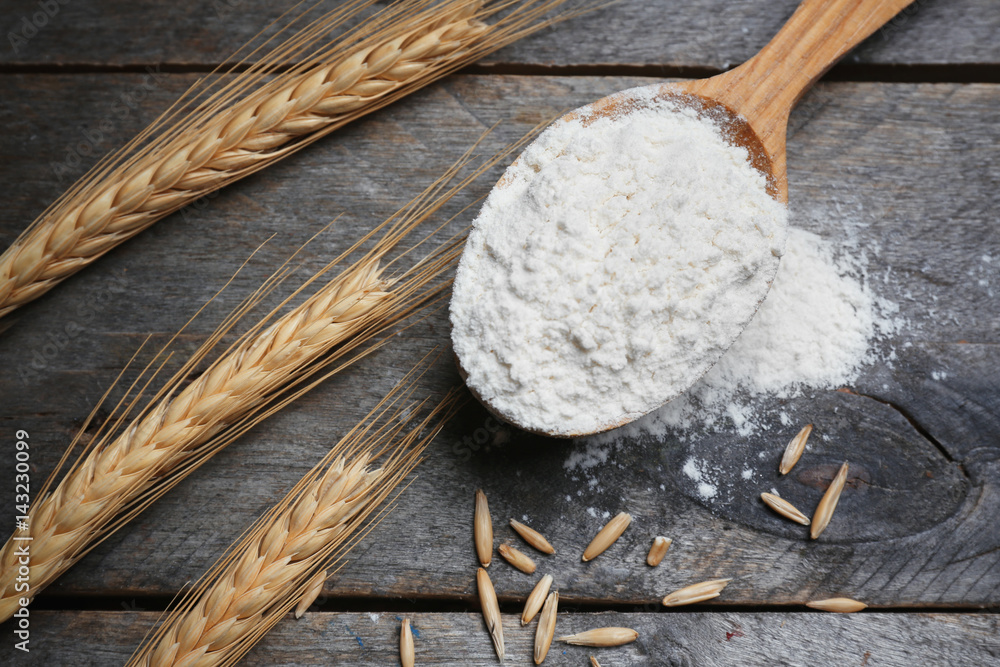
824, 511
546, 627
517, 559
838, 605
532, 537
794, 450
406, 651
536, 599
784, 508
700, 592
491, 611
658, 550
602, 637
483, 530
607, 536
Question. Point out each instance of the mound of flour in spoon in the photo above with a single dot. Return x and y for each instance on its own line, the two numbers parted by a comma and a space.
612, 265
820, 327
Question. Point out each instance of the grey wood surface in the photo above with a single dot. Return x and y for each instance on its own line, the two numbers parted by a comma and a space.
707, 33
907, 171
675, 639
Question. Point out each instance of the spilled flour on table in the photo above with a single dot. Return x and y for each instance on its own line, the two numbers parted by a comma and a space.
819, 326
706, 485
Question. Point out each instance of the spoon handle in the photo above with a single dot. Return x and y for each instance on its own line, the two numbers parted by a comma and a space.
765, 88
818, 34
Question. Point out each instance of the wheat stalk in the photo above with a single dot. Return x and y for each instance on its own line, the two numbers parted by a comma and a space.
254, 121
267, 572
270, 567
171, 432
128, 468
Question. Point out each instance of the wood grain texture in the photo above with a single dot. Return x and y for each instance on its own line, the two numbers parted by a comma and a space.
907, 172
707, 33
674, 639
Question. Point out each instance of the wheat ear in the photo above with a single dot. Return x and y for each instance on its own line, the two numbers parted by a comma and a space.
254, 121
267, 572
129, 468
66, 521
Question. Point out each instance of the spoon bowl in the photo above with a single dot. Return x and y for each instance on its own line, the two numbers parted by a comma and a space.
749, 106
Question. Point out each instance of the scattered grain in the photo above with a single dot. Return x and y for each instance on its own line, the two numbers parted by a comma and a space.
517, 559
794, 450
658, 550
838, 605
607, 536
546, 627
602, 637
406, 652
706, 590
483, 530
784, 508
491, 610
532, 537
824, 511
536, 599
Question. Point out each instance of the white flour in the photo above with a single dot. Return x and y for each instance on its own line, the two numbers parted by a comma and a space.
815, 330
617, 259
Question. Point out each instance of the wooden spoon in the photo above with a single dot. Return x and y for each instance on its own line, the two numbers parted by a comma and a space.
752, 102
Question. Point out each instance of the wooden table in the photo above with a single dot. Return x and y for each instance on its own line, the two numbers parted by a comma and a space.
897, 147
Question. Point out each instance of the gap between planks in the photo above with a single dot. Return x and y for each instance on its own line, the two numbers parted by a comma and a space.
470, 604
852, 72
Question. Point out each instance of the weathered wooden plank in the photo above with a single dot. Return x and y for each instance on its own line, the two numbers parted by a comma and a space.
708, 33
907, 172
685, 639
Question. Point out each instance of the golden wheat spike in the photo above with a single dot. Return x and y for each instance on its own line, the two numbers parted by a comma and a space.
284, 557
260, 117
132, 464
